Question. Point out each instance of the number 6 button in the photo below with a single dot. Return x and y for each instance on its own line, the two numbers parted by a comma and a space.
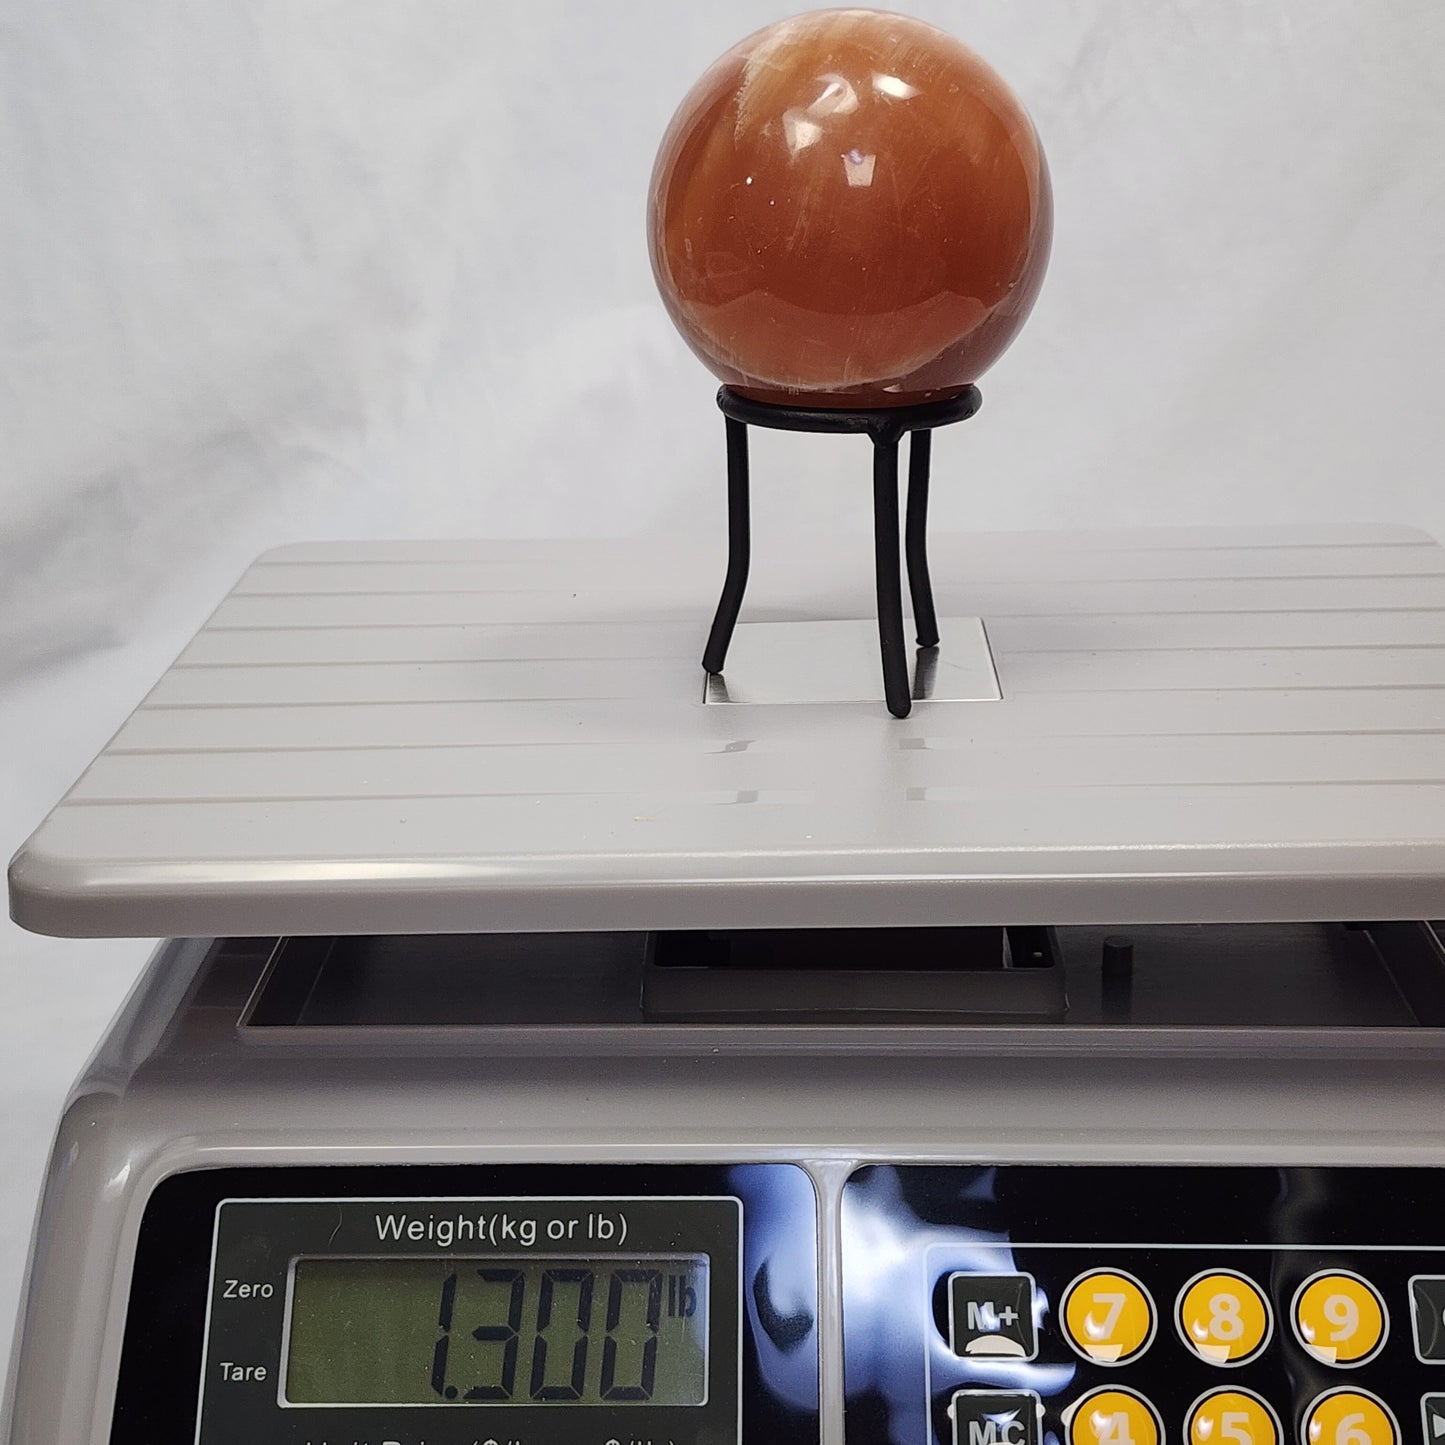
1350, 1417
1224, 1318
1339, 1318
1108, 1317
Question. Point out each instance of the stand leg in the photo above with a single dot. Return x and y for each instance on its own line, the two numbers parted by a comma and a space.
739, 551
915, 539
890, 584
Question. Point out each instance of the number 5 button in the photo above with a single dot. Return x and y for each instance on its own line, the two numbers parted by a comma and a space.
1231, 1417
1350, 1417
1224, 1318
1108, 1317
1339, 1318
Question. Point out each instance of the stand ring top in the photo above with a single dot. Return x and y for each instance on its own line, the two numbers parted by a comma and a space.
882, 423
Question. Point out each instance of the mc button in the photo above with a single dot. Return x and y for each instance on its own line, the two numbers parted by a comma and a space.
996, 1417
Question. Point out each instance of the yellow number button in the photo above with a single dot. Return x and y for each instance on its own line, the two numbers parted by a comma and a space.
1112, 1417
1350, 1417
1231, 1417
1224, 1317
1108, 1317
1339, 1319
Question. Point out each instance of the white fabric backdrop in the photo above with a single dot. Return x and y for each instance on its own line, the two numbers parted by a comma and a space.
285, 270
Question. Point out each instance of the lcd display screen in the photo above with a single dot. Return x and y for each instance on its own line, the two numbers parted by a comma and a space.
535, 1330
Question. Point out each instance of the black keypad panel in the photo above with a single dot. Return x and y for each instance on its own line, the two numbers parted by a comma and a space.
1083, 1305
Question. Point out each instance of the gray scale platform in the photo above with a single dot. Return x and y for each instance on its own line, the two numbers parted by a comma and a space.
461, 737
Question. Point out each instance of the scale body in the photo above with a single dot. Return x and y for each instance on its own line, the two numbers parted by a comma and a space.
745, 1065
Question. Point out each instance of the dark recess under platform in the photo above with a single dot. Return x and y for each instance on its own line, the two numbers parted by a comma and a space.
1389, 975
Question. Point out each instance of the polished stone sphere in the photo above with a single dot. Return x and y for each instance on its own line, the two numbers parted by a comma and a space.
849, 209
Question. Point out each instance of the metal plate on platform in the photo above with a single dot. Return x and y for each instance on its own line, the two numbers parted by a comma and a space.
786, 662
461, 737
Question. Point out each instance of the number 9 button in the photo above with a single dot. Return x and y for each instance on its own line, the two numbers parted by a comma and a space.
1223, 1317
1339, 1318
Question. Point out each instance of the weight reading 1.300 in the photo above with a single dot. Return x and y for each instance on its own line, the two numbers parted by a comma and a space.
532, 1331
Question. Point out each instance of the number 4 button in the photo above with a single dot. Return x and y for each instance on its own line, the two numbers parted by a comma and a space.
1113, 1416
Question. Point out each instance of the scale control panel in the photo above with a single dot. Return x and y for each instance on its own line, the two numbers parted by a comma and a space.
1220, 1316
690, 1305
1149, 1306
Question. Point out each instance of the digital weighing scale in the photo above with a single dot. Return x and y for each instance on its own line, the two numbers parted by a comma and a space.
556, 1050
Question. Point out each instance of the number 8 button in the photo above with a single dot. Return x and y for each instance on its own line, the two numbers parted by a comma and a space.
1339, 1319
1223, 1317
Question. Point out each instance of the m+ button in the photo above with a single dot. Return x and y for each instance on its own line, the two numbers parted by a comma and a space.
992, 1316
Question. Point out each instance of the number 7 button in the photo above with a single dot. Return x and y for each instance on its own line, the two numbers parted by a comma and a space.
1108, 1317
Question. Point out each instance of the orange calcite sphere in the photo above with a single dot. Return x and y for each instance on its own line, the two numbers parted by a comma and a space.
849, 209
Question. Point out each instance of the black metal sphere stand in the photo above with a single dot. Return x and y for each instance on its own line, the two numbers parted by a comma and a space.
885, 427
